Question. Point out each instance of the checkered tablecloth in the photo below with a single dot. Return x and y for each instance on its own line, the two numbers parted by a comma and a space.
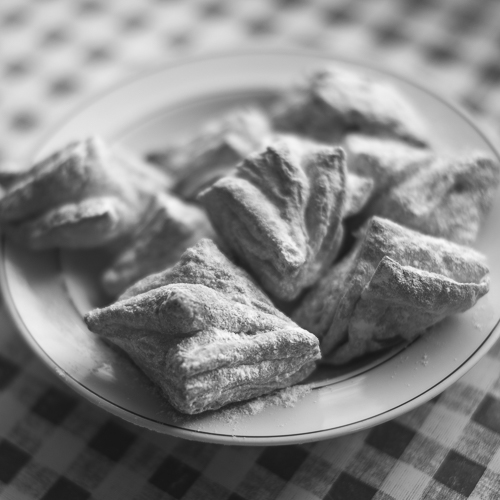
56, 446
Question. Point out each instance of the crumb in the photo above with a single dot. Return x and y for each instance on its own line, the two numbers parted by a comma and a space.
287, 398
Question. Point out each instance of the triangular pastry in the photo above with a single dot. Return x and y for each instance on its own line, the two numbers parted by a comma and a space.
342, 307
335, 101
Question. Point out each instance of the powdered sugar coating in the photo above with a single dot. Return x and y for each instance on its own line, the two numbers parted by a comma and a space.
328, 308
83, 196
335, 101
202, 347
172, 226
281, 213
215, 151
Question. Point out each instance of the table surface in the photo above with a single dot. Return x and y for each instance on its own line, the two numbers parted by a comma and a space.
56, 446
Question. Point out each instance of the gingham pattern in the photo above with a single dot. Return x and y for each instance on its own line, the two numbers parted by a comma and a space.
55, 446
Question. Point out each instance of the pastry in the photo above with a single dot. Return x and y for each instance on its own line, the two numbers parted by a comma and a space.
448, 197
398, 304
387, 162
440, 195
393, 285
83, 196
206, 347
172, 227
334, 102
281, 213
215, 151
359, 190
205, 264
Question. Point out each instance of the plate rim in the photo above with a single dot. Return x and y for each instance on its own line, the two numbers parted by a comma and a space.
206, 436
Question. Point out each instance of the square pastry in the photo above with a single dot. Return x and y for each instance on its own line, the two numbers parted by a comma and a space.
206, 335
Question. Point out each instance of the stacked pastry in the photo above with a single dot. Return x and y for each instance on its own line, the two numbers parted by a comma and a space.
332, 208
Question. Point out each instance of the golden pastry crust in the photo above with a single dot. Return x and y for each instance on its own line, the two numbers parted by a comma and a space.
334, 102
328, 308
203, 348
281, 213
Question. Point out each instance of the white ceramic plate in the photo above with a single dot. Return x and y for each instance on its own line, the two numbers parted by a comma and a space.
47, 292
